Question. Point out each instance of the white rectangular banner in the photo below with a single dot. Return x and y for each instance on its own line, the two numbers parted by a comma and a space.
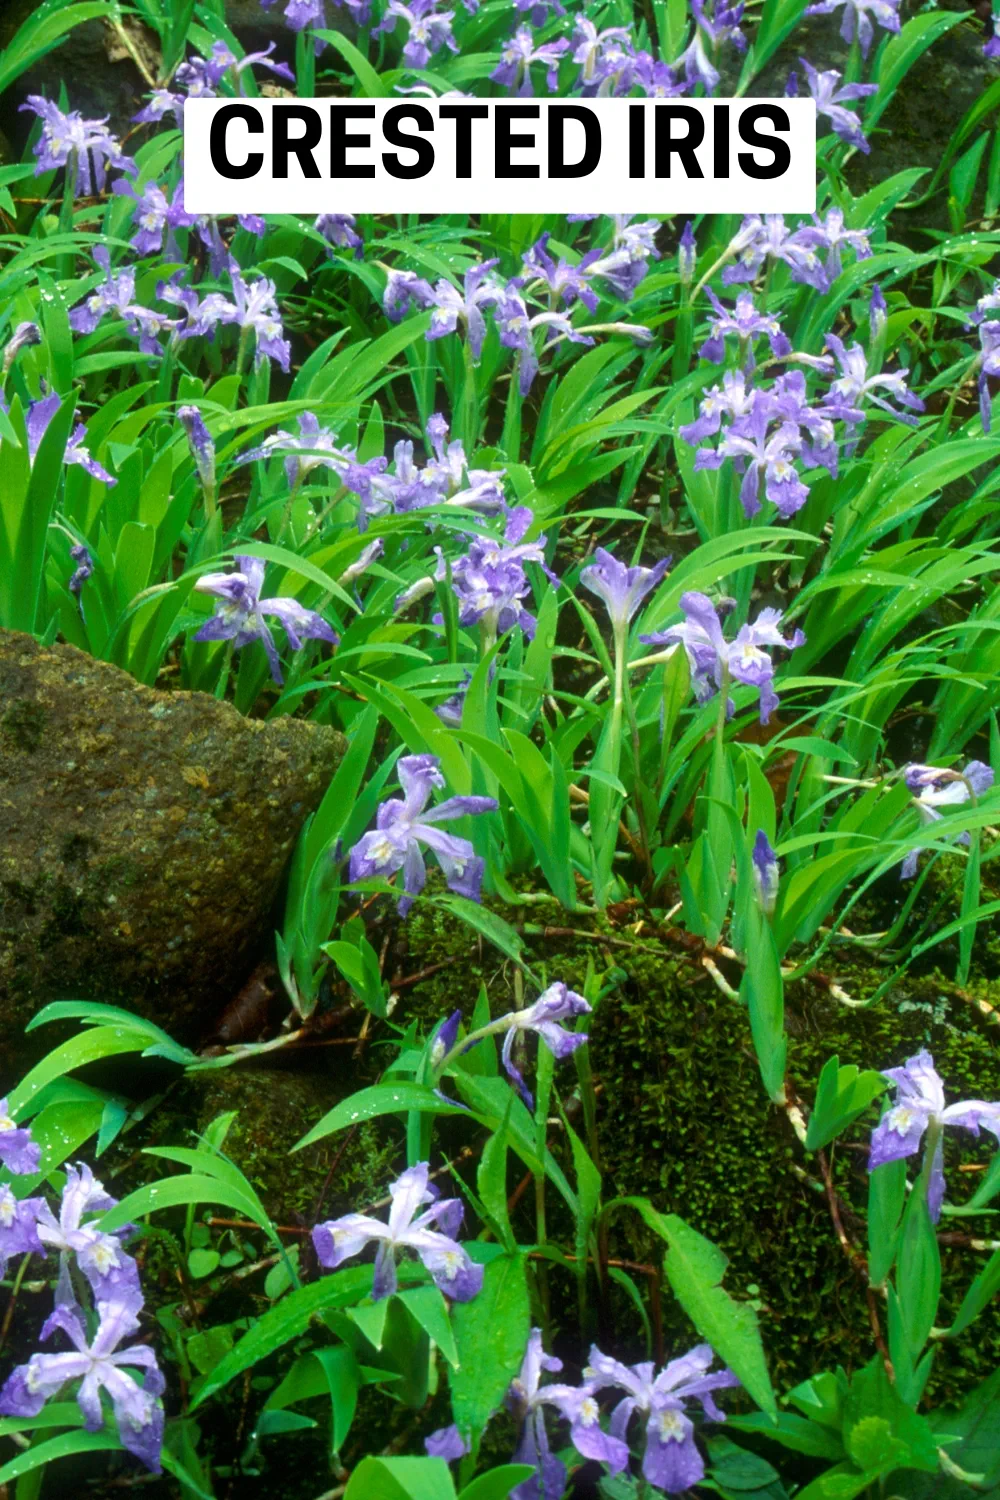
525, 156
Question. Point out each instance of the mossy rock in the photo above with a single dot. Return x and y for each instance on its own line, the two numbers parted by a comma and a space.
683, 1120
143, 836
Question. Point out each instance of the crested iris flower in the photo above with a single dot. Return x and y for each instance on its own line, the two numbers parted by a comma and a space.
857, 22
557, 1004
24, 336
934, 788
489, 581
37, 419
315, 447
454, 308
768, 457
403, 824
88, 143
447, 1443
525, 1401
854, 385
340, 232
154, 217
112, 1273
116, 295
671, 1461
517, 327
566, 283
239, 614
766, 874
84, 571
432, 1236
989, 364
768, 238
516, 57
201, 444
732, 399
18, 1152
98, 1366
715, 661
919, 1105
18, 1226
429, 29
254, 307
622, 589
745, 323
831, 96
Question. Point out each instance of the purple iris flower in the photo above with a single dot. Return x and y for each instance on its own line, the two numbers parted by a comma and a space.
201, 443
453, 307
99, 1365
732, 399
878, 313
112, 1273
625, 264
155, 217
566, 283
18, 1226
991, 48
714, 660
315, 447
84, 571
538, 10
18, 1152
37, 419
516, 57
765, 872
429, 29
517, 326
89, 142
340, 232
622, 589
432, 1236
687, 255
787, 401
525, 1401
771, 457
854, 385
671, 1461
557, 1004
769, 238
489, 580
115, 295
745, 323
831, 234
403, 290
239, 615
831, 99
919, 1103
857, 21
403, 824
25, 336
447, 1443
200, 76
450, 711
934, 788
255, 307
161, 102
695, 64
656, 79
989, 364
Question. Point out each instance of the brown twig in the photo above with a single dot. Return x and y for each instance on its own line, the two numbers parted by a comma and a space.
858, 1261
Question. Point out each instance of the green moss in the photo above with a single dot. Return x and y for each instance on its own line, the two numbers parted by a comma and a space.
23, 724
684, 1120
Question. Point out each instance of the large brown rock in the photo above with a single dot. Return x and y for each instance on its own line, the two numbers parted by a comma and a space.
143, 836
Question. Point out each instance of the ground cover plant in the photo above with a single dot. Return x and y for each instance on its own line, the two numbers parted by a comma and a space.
648, 569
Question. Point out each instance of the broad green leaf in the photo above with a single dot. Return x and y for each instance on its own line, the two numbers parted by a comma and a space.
491, 1333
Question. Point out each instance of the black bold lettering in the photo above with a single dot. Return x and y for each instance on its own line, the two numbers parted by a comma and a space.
685, 147
558, 165
463, 115
505, 143
424, 120
636, 140
301, 146
235, 171
341, 142
720, 140
778, 148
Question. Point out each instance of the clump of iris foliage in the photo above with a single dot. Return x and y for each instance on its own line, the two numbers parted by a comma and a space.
627, 554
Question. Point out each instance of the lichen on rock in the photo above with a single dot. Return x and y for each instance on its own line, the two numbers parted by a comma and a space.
143, 837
